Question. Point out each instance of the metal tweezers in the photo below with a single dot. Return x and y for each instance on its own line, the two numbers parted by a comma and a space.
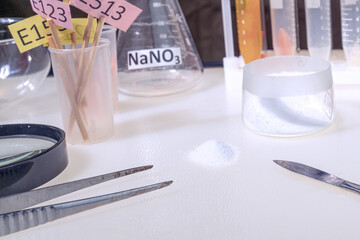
13, 219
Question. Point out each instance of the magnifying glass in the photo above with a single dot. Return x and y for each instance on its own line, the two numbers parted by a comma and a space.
30, 155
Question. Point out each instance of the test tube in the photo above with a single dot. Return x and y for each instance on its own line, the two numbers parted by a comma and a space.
227, 25
350, 28
283, 23
318, 28
248, 16
263, 29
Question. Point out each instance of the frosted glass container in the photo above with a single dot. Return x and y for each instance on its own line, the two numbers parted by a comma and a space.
283, 26
350, 29
288, 95
318, 27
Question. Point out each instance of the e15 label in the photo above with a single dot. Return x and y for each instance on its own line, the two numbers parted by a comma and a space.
32, 32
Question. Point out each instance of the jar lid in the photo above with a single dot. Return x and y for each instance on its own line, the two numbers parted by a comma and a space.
287, 76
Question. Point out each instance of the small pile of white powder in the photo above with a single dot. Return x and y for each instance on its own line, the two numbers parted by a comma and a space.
214, 152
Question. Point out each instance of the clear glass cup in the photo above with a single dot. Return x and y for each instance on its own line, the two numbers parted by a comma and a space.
288, 95
157, 55
83, 78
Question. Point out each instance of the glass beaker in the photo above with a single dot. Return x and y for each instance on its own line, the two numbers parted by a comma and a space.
350, 10
318, 27
157, 55
283, 26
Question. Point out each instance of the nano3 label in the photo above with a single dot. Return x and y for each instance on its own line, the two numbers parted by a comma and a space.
156, 57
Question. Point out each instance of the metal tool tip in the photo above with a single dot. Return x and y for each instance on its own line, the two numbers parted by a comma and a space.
167, 183
278, 161
142, 168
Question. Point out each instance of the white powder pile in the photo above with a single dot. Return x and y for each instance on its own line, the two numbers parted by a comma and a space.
214, 152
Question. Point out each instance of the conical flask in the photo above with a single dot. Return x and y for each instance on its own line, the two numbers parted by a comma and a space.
157, 55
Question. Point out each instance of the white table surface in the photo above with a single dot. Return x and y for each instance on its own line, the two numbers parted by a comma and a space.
244, 196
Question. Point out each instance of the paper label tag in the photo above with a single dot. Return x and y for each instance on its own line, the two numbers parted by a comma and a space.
118, 18
56, 10
33, 32
117, 13
312, 3
328, 104
156, 57
276, 4
79, 29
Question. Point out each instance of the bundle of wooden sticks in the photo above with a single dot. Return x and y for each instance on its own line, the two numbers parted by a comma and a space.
75, 88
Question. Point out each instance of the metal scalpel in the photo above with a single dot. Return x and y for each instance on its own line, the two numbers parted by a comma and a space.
318, 175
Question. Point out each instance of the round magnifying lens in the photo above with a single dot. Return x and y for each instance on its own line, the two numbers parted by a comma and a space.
30, 155
18, 148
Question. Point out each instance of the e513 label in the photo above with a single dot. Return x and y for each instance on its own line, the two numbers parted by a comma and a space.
156, 57
118, 13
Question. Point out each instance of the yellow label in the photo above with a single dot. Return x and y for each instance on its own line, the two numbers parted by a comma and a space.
33, 32
79, 28
66, 1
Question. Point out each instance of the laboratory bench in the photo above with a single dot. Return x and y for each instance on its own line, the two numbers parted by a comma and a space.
226, 185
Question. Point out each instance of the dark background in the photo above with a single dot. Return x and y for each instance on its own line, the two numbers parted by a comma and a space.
205, 23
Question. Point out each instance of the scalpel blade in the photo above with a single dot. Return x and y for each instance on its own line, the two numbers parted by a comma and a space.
23, 200
318, 175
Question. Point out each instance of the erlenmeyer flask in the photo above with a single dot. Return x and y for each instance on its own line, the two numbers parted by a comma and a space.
157, 55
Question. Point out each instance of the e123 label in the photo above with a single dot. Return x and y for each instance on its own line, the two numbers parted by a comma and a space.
56, 10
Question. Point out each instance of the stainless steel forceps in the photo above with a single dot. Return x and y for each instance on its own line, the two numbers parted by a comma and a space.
13, 219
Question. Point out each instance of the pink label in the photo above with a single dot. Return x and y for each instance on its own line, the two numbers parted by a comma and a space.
123, 15
56, 10
117, 13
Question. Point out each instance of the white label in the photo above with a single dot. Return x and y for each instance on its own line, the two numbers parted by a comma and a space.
276, 4
350, 2
155, 57
312, 3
